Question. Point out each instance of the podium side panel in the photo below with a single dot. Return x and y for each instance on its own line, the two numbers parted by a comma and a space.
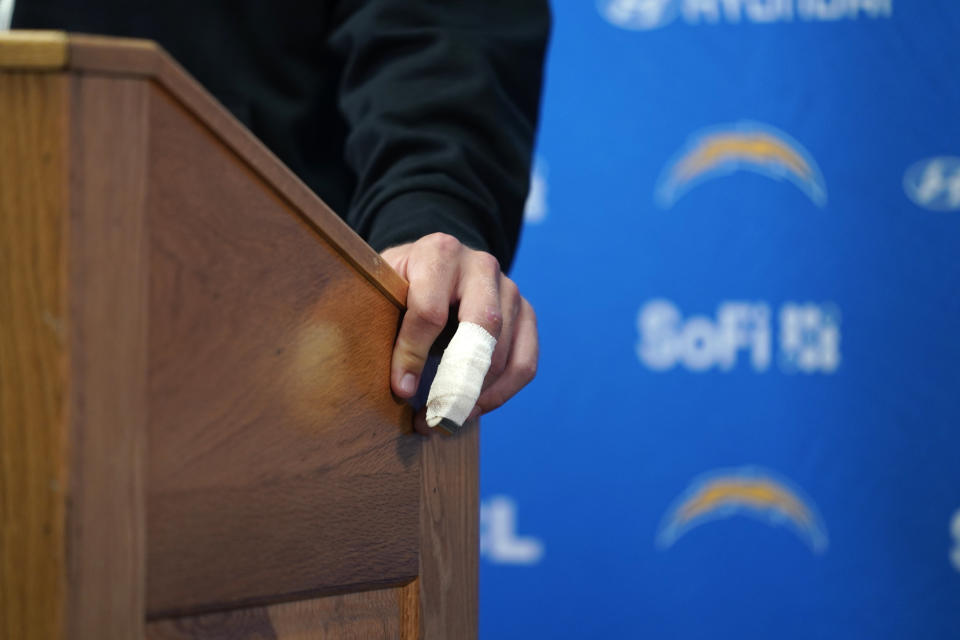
280, 466
33, 355
108, 304
450, 535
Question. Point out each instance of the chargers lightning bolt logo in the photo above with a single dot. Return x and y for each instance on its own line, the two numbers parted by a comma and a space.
749, 491
745, 146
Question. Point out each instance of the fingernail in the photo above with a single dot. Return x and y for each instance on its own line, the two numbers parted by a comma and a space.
408, 384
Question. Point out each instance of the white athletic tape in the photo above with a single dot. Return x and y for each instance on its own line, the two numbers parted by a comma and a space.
464, 364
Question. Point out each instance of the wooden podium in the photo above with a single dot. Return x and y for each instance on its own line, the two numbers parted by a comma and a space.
197, 435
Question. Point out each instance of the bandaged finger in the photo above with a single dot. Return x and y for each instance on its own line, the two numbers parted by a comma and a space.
459, 378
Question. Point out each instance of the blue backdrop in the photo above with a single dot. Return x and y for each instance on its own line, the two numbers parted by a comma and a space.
742, 244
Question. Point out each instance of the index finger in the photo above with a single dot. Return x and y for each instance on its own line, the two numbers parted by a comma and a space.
433, 283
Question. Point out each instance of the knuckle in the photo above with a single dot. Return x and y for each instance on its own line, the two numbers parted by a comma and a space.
406, 357
409, 359
527, 370
525, 367
433, 316
443, 243
487, 262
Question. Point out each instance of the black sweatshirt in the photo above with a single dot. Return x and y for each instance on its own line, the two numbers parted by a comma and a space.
405, 116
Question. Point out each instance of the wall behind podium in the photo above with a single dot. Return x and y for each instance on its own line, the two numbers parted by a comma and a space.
743, 244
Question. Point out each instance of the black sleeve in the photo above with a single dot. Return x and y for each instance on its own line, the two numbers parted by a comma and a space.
441, 99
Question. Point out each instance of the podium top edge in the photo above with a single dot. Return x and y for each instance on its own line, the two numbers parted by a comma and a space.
34, 50
53, 51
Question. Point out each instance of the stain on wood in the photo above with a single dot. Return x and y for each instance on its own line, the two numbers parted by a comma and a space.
270, 405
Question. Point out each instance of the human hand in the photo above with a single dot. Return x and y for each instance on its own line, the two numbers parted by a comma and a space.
444, 273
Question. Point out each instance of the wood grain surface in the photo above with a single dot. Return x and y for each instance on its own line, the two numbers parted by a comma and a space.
129, 57
33, 355
279, 462
193, 345
450, 535
109, 55
410, 619
93, 54
33, 50
108, 340
366, 615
